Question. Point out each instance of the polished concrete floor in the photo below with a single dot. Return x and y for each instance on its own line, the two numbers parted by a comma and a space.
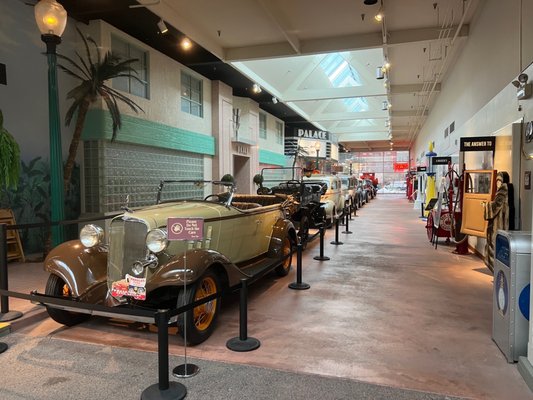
387, 309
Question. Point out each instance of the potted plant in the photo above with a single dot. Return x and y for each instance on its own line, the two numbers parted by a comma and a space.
9, 158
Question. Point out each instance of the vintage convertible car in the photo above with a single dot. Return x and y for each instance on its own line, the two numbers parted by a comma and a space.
140, 267
307, 211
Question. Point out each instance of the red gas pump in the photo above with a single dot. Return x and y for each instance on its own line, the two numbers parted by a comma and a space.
411, 180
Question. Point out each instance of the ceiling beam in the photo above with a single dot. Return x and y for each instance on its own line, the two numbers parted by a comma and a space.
411, 113
413, 88
333, 93
282, 24
364, 115
337, 43
423, 34
358, 129
343, 116
358, 137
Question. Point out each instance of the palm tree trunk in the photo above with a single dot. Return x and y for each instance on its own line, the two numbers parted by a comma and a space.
74, 143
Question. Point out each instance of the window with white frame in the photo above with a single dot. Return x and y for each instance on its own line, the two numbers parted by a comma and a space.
127, 51
279, 132
191, 95
262, 126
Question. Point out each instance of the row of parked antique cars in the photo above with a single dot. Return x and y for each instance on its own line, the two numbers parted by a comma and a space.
134, 264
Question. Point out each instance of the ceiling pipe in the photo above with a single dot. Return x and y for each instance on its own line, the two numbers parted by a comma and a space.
416, 128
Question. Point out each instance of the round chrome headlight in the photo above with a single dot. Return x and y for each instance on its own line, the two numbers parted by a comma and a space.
137, 268
91, 235
156, 240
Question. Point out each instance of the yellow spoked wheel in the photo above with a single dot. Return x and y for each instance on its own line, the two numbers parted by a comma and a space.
200, 321
203, 315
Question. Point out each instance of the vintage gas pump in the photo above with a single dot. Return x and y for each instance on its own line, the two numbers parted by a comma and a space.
409, 185
430, 183
421, 190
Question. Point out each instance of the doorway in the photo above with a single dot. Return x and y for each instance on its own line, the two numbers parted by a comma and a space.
243, 177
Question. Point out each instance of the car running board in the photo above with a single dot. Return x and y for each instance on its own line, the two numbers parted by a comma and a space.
259, 268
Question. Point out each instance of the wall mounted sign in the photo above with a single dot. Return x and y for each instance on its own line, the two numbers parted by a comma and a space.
479, 143
421, 169
441, 160
400, 166
185, 228
310, 134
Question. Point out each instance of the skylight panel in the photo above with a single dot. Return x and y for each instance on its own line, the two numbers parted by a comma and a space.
339, 72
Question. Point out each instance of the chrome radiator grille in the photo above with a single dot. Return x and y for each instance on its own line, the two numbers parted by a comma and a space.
127, 244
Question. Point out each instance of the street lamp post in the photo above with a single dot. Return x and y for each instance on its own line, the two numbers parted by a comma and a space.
51, 19
317, 148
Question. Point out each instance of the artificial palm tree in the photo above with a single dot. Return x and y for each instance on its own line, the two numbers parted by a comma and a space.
93, 75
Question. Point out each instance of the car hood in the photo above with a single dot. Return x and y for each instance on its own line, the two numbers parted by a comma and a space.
157, 216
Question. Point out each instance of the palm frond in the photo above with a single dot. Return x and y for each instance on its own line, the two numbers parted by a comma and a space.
115, 114
98, 55
84, 64
112, 66
81, 91
70, 72
74, 64
87, 50
72, 110
112, 92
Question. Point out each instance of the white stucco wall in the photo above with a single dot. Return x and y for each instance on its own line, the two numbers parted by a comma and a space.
270, 142
164, 104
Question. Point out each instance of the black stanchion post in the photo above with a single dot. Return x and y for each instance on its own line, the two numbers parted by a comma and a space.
347, 229
321, 257
243, 342
299, 285
5, 314
164, 390
336, 242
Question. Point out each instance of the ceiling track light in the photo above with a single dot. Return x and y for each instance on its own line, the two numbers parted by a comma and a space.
275, 100
370, 2
186, 43
256, 88
385, 105
162, 27
380, 74
379, 16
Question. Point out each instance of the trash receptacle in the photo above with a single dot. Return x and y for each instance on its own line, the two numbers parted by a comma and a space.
510, 306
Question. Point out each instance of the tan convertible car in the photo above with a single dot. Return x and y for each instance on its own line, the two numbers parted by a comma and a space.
139, 266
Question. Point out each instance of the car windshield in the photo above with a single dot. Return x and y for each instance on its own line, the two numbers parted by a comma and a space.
344, 182
176, 190
275, 176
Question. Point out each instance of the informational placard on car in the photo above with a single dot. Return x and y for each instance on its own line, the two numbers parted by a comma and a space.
185, 228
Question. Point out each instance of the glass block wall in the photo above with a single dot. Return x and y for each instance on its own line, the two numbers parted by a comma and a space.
114, 170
